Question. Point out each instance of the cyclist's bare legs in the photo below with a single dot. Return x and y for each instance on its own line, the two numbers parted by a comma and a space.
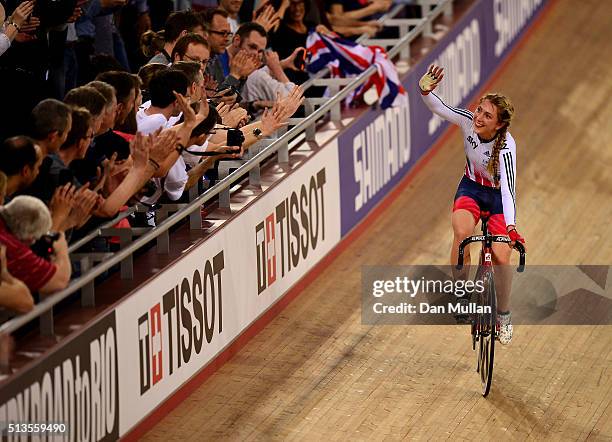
503, 275
463, 226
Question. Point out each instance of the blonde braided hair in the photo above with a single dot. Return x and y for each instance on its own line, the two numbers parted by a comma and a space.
505, 113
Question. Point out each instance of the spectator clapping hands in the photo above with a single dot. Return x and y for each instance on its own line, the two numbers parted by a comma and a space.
84, 203
104, 173
21, 25
275, 118
233, 117
21, 15
190, 118
140, 148
162, 144
267, 17
275, 65
60, 206
243, 64
290, 104
71, 207
210, 85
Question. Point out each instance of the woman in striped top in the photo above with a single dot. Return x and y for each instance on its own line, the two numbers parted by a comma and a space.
488, 182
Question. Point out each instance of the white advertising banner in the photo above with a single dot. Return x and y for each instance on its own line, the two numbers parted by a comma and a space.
180, 320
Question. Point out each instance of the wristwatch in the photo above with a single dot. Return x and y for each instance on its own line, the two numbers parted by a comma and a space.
10, 22
258, 133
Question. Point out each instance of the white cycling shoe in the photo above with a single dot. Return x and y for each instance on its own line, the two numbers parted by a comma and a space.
504, 328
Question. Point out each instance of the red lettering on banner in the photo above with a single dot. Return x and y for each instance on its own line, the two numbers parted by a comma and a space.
156, 344
270, 245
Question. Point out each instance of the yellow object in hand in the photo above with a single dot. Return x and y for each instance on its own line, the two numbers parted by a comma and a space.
427, 82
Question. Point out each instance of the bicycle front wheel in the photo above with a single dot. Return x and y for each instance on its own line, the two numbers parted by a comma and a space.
488, 320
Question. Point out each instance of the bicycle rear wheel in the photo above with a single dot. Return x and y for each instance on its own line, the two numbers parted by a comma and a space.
487, 333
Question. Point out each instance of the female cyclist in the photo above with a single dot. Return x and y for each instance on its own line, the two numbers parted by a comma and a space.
488, 182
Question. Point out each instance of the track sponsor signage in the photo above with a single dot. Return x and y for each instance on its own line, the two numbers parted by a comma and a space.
297, 223
76, 385
172, 325
176, 323
176, 328
377, 151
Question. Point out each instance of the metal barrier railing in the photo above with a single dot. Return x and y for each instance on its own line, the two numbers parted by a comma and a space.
44, 309
98, 231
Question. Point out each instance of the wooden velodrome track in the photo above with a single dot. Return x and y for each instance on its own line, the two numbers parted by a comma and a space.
316, 373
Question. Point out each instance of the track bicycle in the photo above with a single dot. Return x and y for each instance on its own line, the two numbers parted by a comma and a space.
484, 322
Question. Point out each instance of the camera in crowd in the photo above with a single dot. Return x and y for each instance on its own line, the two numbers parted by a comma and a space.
149, 189
44, 246
235, 137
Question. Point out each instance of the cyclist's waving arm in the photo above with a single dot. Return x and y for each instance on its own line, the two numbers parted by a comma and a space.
427, 84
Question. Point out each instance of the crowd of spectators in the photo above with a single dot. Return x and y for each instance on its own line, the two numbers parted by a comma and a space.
108, 103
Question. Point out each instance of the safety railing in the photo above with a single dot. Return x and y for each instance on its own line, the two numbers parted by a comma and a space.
133, 239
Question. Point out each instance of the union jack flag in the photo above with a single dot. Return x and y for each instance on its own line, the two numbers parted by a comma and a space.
347, 58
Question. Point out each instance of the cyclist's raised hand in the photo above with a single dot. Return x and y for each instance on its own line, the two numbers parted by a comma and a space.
430, 80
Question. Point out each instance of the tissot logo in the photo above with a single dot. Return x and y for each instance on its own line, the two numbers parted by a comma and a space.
173, 330
288, 234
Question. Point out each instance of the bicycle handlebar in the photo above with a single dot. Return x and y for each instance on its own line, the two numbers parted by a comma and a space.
494, 238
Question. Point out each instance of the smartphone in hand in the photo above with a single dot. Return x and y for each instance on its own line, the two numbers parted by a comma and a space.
223, 92
300, 60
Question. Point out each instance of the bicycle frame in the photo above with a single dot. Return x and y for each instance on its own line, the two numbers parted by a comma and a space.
483, 328
486, 252
487, 249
